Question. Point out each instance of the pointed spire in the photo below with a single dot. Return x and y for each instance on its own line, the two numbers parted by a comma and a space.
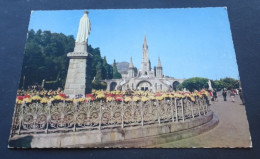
159, 62
145, 43
131, 63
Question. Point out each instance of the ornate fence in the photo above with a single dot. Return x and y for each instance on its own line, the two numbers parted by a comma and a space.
70, 117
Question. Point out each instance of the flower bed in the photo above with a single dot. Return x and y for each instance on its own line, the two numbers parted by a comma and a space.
119, 96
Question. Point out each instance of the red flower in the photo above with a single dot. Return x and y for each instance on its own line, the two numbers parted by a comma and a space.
89, 95
119, 98
27, 96
89, 98
62, 95
20, 97
158, 94
110, 95
201, 92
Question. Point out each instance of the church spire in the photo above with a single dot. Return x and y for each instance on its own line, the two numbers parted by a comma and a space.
159, 71
159, 62
131, 72
131, 63
145, 43
145, 50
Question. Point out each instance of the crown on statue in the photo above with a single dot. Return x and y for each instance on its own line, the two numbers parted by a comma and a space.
86, 12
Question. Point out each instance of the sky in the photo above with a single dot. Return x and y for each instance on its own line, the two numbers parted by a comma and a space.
191, 42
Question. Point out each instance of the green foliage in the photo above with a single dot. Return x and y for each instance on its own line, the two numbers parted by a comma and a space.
228, 83
116, 74
46, 58
199, 83
97, 85
195, 83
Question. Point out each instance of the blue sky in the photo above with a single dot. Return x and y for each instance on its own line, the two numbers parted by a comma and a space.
190, 42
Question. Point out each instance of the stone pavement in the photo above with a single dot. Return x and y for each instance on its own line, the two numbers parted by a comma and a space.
232, 130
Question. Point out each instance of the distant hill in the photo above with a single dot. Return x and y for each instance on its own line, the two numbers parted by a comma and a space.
122, 67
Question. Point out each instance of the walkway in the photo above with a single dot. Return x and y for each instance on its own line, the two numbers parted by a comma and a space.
232, 130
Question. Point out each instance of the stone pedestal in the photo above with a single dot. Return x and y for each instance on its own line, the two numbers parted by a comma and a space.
77, 71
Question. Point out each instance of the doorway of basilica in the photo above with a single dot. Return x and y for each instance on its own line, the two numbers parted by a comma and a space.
144, 86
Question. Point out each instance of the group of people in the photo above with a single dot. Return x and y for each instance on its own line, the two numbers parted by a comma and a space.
225, 92
232, 93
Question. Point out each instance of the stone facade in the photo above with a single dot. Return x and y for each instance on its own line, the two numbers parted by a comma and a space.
146, 79
77, 71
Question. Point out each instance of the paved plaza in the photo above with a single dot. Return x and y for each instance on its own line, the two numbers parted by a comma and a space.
232, 130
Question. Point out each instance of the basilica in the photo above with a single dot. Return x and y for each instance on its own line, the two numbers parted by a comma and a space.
146, 79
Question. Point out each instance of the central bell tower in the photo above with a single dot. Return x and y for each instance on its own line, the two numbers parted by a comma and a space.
146, 64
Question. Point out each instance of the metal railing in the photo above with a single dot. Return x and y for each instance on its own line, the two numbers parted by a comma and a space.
64, 116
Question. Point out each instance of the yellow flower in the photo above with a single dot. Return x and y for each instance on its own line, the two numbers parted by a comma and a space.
136, 98
109, 99
127, 99
36, 97
19, 101
57, 97
51, 99
75, 100
164, 95
159, 97
44, 100
68, 100
81, 99
27, 100
151, 97
171, 96
101, 95
144, 99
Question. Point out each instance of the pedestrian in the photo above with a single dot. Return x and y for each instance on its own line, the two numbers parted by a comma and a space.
237, 91
210, 95
241, 96
232, 95
224, 93
215, 96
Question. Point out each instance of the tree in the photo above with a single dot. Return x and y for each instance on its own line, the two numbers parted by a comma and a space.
229, 83
99, 72
116, 74
195, 83
46, 58
216, 84
99, 85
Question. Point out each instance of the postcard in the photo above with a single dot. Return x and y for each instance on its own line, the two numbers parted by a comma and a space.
130, 78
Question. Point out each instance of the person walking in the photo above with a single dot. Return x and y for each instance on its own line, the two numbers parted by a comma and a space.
232, 95
224, 93
215, 96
